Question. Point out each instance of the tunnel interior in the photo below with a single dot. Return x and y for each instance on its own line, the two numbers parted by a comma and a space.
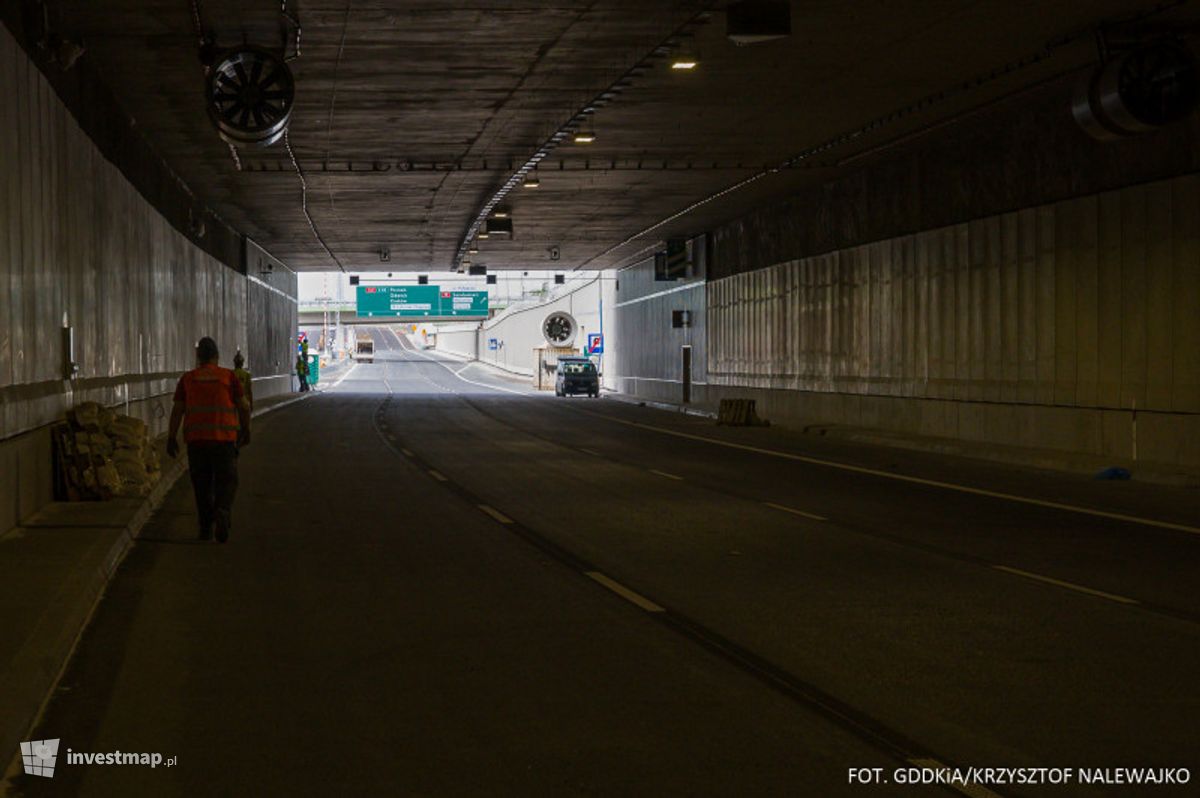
670, 398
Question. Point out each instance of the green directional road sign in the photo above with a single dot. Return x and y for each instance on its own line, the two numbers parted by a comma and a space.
420, 301
464, 303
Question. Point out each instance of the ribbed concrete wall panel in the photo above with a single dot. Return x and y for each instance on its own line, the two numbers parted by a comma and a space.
1185, 294
80, 246
646, 351
1086, 303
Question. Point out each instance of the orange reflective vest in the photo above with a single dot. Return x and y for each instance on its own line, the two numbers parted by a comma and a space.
210, 413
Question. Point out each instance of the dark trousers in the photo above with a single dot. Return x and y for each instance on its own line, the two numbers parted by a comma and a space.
213, 468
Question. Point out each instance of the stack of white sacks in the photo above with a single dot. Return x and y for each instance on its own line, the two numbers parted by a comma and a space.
122, 460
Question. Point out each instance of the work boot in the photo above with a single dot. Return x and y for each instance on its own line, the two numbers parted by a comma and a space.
206, 533
222, 530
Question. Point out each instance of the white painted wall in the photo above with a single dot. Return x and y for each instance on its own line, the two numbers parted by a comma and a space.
458, 337
518, 330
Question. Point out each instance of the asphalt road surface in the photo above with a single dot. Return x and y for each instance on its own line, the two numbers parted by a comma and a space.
442, 583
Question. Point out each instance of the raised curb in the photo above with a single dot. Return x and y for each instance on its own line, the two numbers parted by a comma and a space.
1049, 459
30, 678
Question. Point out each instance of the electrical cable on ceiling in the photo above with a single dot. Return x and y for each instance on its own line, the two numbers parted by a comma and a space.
287, 143
237, 161
295, 24
337, 66
196, 20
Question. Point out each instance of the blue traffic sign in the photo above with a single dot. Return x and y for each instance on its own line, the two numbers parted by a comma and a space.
595, 344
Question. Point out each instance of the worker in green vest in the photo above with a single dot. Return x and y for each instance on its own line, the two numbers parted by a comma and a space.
302, 372
239, 371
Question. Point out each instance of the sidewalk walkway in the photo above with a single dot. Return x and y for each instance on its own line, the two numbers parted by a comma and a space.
54, 568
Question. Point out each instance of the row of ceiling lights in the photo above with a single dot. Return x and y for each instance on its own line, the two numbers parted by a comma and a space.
580, 129
747, 22
683, 61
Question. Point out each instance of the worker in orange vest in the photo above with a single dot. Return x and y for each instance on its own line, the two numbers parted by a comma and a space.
215, 416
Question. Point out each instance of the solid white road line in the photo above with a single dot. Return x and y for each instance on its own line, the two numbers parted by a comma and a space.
342, 379
589, 451
1068, 585
972, 790
665, 474
494, 513
624, 592
406, 452
1071, 508
438, 475
794, 511
464, 379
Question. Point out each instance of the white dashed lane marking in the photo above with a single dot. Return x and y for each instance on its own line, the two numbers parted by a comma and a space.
1068, 585
1070, 508
794, 511
496, 514
624, 592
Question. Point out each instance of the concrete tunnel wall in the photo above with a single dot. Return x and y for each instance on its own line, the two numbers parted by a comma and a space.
1001, 280
79, 245
645, 349
1040, 328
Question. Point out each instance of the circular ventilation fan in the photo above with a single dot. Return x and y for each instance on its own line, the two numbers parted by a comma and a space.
560, 328
250, 96
1141, 90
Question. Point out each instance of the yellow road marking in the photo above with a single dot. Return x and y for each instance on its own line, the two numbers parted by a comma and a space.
625, 593
1068, 585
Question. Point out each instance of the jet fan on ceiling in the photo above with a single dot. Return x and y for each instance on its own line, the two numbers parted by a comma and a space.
250, 93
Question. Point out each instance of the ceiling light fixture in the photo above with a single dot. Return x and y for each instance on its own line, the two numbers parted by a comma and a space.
501, 213
586, 133
754, 21
531, 181
684, 63
500, 226
473, 251
482, 235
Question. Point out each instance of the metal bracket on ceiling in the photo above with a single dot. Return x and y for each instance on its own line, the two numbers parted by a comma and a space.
290, 19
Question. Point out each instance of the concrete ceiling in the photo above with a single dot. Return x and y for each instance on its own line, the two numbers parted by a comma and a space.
410, 116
